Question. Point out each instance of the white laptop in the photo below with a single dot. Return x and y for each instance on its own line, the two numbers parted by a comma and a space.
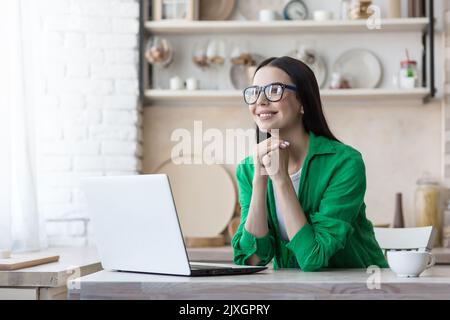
136, 227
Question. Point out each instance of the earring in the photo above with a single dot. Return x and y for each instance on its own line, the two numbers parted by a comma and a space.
301, 110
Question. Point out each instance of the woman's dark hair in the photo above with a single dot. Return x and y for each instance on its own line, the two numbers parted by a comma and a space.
307, 93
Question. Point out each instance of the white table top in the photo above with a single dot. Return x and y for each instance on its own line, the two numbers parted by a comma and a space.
57, 273
73, 263
434, 283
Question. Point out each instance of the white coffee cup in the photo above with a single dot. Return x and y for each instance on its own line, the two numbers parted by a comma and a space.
322, 15
409, 263
191, 84
176, 83
267, 15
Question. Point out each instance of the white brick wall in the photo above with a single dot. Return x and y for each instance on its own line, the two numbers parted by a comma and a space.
90, 124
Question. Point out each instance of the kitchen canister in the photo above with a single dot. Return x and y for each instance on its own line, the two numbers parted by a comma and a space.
267, 15
191, 84
408, 75
176, 83
322, 15
427, 211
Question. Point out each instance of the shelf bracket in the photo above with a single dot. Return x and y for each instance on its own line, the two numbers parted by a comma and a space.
431, 41
427, 98
428, 64
141, 51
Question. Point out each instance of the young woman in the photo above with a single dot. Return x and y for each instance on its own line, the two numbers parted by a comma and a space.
302, 191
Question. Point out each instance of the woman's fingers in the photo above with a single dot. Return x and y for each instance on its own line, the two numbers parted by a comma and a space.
265, 160
273, 144
284, 144
270, 145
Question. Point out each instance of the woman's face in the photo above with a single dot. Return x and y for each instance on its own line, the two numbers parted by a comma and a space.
275, 115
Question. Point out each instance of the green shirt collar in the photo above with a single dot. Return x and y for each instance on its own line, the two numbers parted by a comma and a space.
319, 145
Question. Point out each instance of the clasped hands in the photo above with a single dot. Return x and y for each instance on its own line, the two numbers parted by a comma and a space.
271, 159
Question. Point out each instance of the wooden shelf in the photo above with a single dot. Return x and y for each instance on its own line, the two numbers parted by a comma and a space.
176, 96
308, 26
388, 94
234, 97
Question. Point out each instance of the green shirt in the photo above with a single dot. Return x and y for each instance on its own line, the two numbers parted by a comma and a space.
337, 235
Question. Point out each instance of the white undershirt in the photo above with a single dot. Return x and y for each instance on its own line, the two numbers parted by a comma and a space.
295, 178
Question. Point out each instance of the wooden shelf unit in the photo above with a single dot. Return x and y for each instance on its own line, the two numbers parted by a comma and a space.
423, 25
307, 26
234, 97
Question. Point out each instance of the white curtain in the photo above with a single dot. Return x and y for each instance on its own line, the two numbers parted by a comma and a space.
21, 227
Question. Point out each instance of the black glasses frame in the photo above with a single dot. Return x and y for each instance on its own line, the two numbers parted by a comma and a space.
263, 89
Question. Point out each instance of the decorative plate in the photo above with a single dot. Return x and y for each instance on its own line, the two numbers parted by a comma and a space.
360, 66
319, 67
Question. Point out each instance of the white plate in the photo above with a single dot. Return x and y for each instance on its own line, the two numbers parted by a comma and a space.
319, 67
250, 8
361, 67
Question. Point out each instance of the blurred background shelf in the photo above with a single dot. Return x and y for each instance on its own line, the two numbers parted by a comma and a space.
308, 26
234, 97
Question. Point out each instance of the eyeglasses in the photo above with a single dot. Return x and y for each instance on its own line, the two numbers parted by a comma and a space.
273, 92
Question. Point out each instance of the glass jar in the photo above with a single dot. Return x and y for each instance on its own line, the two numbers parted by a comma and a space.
240, 55
215, 52
174, 9
427, 197
359, 9
199, 55
408, 75
158, 51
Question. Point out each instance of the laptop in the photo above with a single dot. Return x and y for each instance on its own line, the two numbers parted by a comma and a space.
136, 228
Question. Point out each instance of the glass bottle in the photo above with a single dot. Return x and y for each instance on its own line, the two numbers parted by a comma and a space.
427, 197
398, 214
344, 9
